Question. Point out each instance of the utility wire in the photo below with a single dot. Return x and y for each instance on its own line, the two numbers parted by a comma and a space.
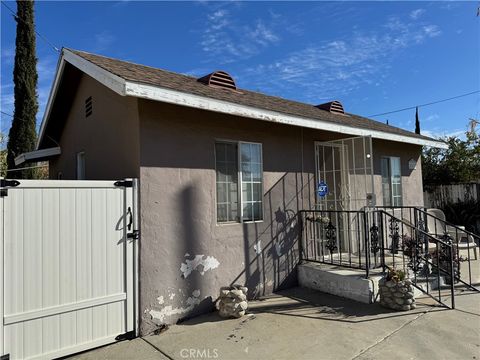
44, 38
4, 113
426, 104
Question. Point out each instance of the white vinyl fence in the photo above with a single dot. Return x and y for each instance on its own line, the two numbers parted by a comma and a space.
67, 266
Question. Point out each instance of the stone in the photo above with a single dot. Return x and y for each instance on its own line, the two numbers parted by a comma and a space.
398, 294
399, 301
409, 295
405, 307
232, 301
408, 301
237, 293
389, 284
413, 306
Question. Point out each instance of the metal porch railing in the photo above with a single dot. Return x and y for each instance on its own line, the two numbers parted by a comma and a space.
375, 239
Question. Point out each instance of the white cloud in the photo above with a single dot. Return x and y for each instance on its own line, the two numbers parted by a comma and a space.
103, 40
334, 68
441, 133
415, 14
262, 35
225, 39
431, 118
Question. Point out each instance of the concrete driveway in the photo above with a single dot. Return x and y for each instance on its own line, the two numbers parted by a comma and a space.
304, 324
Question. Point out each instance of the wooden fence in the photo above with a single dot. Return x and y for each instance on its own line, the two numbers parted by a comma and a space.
440, 195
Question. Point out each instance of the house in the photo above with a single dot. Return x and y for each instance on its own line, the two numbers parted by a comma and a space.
223, 172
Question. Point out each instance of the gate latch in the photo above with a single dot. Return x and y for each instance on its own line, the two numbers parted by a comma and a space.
134, 235
4, 184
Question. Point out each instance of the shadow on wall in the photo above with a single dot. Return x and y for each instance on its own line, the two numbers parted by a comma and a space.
194, 286
271, 251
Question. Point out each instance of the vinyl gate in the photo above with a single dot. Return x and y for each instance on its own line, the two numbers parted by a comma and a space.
67, 266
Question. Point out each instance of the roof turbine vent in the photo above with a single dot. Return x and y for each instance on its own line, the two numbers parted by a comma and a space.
219, 79
335, 107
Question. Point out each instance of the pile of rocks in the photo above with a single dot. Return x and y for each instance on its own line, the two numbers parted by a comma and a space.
232, 301
397, 295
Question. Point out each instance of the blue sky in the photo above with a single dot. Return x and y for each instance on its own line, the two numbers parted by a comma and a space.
372, 56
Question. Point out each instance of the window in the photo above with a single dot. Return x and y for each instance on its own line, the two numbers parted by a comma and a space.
81, 165
239, 181
391, 181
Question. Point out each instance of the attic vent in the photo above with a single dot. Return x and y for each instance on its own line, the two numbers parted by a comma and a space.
335, 107
88, 106
219, 79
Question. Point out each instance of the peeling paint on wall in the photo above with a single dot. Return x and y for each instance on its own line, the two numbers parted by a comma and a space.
207, 263
169, 310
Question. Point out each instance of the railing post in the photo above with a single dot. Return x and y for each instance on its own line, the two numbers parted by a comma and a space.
367, 250
300, 243
452, 276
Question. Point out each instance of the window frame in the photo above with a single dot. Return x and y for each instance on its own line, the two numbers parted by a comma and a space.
240, 182
391, 194
81, 162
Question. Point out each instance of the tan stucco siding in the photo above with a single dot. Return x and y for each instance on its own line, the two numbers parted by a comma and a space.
178, 208
109, 137
412, 186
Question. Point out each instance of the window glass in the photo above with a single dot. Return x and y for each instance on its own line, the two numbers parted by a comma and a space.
81, 165
391, 181
229, 171
227, 182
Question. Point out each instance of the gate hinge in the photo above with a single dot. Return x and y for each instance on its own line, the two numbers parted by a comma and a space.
4, 183
127, 336
123, 183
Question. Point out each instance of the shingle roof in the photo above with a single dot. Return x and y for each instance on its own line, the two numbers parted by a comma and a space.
188, 84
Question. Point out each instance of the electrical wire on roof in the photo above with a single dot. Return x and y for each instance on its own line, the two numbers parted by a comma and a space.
426, 104
44, 38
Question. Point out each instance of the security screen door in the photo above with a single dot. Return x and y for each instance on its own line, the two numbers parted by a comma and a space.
346, 167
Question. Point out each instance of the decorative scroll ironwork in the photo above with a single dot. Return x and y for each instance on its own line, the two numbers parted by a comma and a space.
394, 235
331, 235
374, 239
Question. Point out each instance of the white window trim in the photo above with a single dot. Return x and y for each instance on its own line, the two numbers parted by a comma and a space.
239, 179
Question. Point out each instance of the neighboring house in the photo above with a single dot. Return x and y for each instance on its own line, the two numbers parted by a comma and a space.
223, 172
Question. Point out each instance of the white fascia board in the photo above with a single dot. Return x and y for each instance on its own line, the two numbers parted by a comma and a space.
37, 154
113, 82
51, 96
200, 102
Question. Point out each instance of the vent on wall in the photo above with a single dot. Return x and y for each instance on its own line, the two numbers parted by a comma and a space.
219, 79
335, 107
88, 106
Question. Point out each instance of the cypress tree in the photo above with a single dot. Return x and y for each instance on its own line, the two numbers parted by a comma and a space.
417, 122
22, 135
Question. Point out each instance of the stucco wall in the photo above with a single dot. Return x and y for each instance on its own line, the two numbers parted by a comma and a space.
412, 186
109, 137
185, 256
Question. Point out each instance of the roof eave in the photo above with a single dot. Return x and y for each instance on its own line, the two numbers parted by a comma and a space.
185, 99
140, 90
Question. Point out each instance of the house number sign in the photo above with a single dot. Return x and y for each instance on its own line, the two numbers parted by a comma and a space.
322, 189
